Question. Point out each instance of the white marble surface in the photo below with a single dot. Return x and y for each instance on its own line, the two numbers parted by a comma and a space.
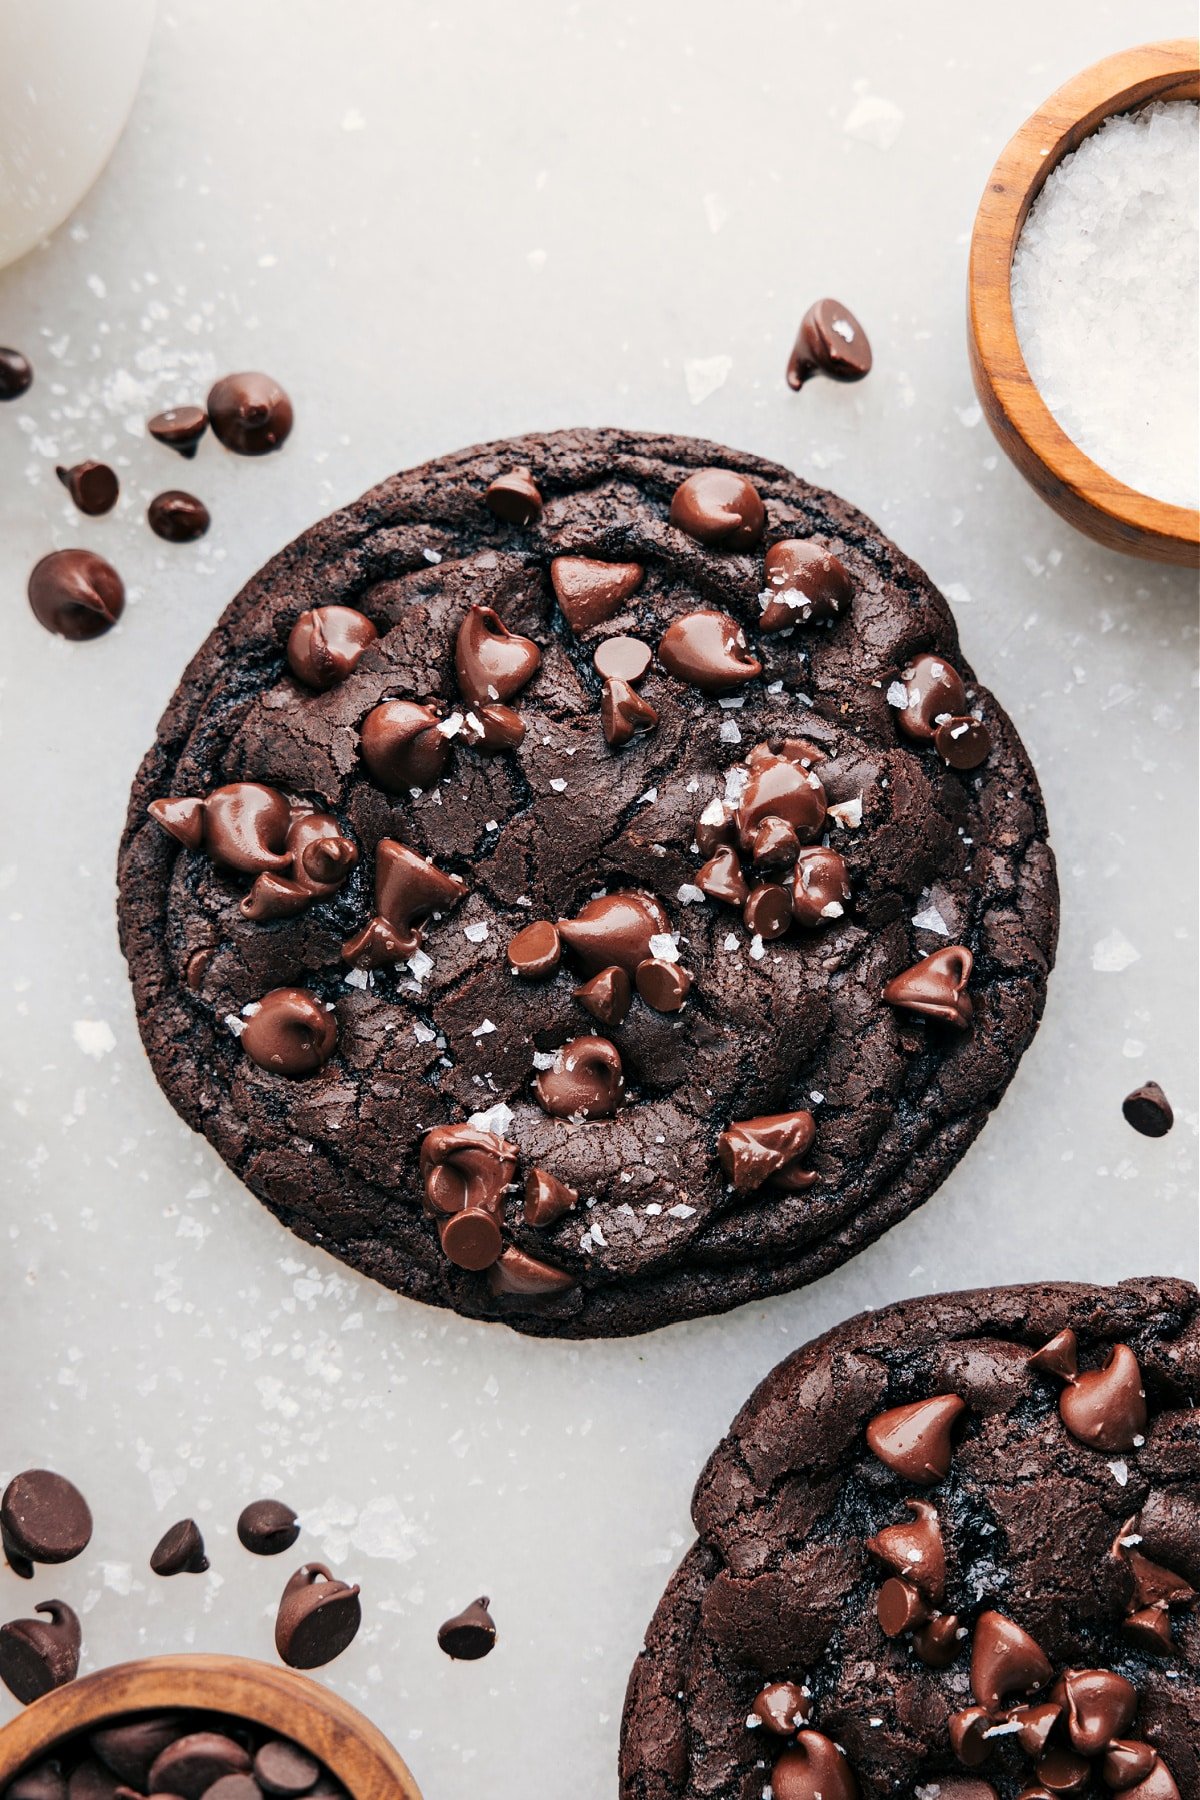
438, 224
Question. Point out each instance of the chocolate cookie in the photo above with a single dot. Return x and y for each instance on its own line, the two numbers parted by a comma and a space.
583, 884
951, 1548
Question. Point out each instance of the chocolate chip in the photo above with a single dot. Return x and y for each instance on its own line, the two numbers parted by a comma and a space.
250, 413
814, 1768
131, 1747
963, 743
779, 787
76, 594
830, 341
266, 1527
1105, 1408
233, 1787
820, 886
782, 1706
291, 1033
663, 985
936, 987
180, 428
318, 1617
43, 1519
769, 1148
284, 1768
929, 692
768, 911
39, 1654
607, 996
546, 1198
89, 1780
43, 1781
191, 1765
584, 1081
493, 728
326, 643
1148, 1110
93, 486
535, 951
720, 508
178, 516
1005, 1661
402, 746
16, 374
721, 878
180, 1551
624, 714
708, 650
804, 582
589, 591
470, 1634
515, 1273
471, 1239
407, 890
915, 1440
514, 498
615, 928
622, 659
490, 661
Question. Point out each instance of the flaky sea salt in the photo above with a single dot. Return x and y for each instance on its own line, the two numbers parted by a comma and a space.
1106, 298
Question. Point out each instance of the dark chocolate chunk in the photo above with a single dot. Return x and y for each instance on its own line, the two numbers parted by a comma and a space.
15, 374
1148, 1110
93, 486
39, 1654
470, 1634
830, 341
179, 428
249, 413
178, 516
318, 1617
43, 1519
180, 1551
76, 594
267, 1527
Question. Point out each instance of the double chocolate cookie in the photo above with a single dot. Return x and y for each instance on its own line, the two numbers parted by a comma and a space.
582, 884
951, 1549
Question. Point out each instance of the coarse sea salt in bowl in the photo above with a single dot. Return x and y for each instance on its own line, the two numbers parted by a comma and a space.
1083, 300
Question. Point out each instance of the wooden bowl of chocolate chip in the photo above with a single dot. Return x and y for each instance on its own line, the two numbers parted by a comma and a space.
197, 1728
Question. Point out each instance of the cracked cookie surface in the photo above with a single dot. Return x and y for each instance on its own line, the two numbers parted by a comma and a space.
1021, 1464
522, 783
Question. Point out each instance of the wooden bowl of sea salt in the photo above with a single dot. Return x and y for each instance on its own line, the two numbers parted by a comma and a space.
1083, 301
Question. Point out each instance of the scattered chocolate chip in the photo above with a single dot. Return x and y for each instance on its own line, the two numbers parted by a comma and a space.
39, 1654
76, 594
770, 1148
266, 1527
514, 498
515, 1273
179, 428
589, 591
708, 650
804, 582
250, 413
470, 1634
624, 714
43, 1519
292, 1033
493, 728
471, 1239
721, 877
1148, 1110
779, 788
180, 1551
1105, 1408
929, 692
915, 1440
622, 659
490, 661
466, 1173
326, 643
190, 1766
830, 341
93, 486
407, 890
607, 996
402, 745
535, 951
546, 1198
720, 508
963, 743
663, 985
585, 1080
178, 516
820, 886
936, 987
16, 374
284, 1768
318, 1617
768, 911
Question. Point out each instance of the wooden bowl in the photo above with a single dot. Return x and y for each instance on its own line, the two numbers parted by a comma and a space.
1086, 495
349, 1745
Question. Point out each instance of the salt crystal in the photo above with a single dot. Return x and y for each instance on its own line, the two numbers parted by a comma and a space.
663, 947
1114, 953
484, 1029
689, 894
1105, 291
497, 1118
476, 934
704, 375
94, 1037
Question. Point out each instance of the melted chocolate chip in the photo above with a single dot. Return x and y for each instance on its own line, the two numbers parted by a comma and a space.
820, 887
179, 428
180, 1551
708, 650
963, 743
291, 1033
514, 498
768, 911
535, 951
318, 1617
267, 1527
589, 591
43, 1519
93, 486
624, 714
76, 594
830, 341
814, 1768
178, 516
804, 582
622, 659
585, 1081
250, 413
769, 1148
930, 692
608, 995
721, 878
490, 661
615, 928
522, 1276
915, 1440
16, 374
720, 508
936, 987
662, 984
466, 1171
779, 788
782, 1706
1106, 1408
39, 1654
490, 729
325, 645
470, 1634
1005, 1660
1148, 1110
403, 747
546, 1198
407, 890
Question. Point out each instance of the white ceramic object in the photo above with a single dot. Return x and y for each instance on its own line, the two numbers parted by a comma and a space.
69, 71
